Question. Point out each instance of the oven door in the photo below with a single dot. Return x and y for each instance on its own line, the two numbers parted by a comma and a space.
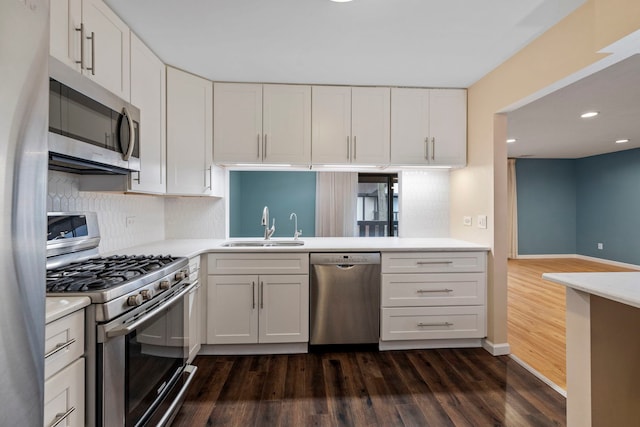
142, 361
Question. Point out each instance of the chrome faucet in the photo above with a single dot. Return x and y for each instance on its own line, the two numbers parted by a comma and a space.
296, 233
268, 232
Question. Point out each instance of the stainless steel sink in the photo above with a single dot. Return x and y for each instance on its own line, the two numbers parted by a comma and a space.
262, 243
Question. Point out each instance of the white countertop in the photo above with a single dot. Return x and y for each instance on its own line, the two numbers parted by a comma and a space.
620, 287
194, 247
58, 307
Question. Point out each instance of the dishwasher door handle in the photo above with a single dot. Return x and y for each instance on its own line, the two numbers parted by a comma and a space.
345, 266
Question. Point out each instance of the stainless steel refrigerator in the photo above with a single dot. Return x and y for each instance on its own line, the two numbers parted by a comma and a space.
24, 55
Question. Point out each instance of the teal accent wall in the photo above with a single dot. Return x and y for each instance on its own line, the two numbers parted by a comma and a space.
609, 206
590, 200
282, 192
546, 206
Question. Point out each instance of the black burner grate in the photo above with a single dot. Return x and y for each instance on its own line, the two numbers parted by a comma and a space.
103, 272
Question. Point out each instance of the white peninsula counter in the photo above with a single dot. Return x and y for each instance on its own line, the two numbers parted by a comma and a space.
603, 348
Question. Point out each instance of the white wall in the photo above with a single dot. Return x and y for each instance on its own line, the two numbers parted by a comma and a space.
424, 203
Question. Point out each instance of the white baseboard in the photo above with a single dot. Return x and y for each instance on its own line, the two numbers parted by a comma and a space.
538, 375
547, 256
429, 344
248, 349
583, 257
496, 349
608, 261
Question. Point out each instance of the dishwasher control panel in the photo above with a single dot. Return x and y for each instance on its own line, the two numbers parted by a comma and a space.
345, 258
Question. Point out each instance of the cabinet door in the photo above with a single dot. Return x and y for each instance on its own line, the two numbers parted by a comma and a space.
106, 47
237, 114
409, 126
370, 125
148, 92
284, 308
232, 309
189, 134
286, 124
193, 312
65, 20
331, 125
448, 126
64, 395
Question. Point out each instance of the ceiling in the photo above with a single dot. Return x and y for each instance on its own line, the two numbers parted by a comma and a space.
429, 43
551, 127
426, 43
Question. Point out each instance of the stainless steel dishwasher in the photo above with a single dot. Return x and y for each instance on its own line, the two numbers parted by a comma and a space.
344, 298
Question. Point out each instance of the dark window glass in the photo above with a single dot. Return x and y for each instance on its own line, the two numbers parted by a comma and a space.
377, 210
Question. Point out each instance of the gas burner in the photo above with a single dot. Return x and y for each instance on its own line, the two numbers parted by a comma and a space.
103, 273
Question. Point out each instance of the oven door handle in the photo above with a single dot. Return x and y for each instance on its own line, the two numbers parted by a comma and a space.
130, 327
177, 402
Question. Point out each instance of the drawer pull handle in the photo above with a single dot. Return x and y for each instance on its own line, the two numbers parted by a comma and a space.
60, 347
434, 324
428, 291
62, 416
433, 262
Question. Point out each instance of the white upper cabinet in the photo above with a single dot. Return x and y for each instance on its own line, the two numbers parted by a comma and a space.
237, 114
262, 123
428, 127
65, 20
90, 38
370, 124
286, 124
331, 125
148, 93
189, 134
350, 125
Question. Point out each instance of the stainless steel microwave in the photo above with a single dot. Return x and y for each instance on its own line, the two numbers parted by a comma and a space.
91, 130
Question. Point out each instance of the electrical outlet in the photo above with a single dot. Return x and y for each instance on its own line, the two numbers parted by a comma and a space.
466, 220
130, 220
482, 221
600, 246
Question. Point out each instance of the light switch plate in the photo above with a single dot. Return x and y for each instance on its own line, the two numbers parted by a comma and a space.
466, 220
482, 221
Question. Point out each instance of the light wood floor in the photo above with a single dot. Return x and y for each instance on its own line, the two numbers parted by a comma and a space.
536, 313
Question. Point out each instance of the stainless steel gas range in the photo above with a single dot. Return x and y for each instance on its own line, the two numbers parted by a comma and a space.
136, 326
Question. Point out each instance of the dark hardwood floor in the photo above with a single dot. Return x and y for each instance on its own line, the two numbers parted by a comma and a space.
453, 387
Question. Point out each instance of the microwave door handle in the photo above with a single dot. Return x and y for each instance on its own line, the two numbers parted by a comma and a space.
132, 134
126, 329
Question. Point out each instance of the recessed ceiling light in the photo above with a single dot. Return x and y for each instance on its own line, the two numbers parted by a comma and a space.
589, 114
510, 140
621, 141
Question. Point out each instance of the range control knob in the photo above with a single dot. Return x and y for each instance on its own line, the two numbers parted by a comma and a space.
165, 284
181, 275
147, 294
134, 300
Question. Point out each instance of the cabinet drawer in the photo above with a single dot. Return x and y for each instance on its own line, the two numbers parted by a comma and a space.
419, 290
64, 395
258, 263
194, 268
415, 323
434, 262
64, 342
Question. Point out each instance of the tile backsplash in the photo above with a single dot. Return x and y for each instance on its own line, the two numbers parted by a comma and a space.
130, 219
424, 203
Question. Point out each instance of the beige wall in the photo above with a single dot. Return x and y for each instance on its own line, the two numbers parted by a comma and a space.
560, 53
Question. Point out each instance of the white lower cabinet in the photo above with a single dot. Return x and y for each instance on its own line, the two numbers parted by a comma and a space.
433, 296
64, 389
269, 306
258, 309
